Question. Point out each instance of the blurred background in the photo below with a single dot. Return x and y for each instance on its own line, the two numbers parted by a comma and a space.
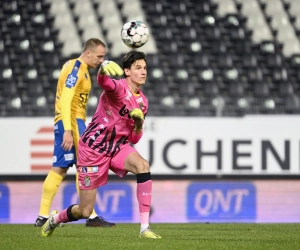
223, 87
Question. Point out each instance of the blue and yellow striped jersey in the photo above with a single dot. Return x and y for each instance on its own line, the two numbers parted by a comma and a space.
73, 88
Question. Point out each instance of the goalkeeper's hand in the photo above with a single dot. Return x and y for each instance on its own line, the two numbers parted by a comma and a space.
110, 68
138, 116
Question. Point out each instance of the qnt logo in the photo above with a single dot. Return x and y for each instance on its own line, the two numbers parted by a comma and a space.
221, 202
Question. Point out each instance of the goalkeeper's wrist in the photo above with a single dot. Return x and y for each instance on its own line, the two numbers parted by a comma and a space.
137, 129
101, 72
103, 64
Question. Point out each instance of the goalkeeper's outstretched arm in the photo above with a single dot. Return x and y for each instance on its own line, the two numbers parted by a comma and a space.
107, 69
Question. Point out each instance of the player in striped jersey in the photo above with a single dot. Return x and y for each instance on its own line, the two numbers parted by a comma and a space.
105, 145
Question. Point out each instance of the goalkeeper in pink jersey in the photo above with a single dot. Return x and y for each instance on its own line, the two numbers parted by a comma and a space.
105, 144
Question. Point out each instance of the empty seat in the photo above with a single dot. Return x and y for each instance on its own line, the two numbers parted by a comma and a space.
249, 61
261, 89
225, 7
10, 89
285, 89
279, 75
236, 89
292, 104
201, 61
211, 89
224, 61
4, 60
187, 89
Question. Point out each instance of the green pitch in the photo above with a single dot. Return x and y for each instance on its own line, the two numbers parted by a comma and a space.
174, 236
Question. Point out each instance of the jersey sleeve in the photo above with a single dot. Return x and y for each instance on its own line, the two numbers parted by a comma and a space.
112, 87
71, 76
106, 82
135, 138
146, 107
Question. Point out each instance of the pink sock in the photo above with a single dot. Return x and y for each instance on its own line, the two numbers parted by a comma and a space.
144, 198
61, 217
144, 219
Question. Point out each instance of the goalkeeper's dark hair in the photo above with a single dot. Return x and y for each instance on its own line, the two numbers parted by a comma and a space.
92, 44
131, 57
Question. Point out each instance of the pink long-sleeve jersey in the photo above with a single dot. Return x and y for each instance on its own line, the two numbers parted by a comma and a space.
111, 126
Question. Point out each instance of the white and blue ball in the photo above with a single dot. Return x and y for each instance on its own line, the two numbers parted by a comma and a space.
135, 34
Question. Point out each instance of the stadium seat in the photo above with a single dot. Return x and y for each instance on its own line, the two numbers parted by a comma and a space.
292, 104
210, 89
285, 89
261, 89
236, 89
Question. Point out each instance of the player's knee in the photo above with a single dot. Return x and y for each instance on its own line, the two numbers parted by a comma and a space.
64, 174
60, 171
143, 166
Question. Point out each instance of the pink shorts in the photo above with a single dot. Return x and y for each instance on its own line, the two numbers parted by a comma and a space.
91, 177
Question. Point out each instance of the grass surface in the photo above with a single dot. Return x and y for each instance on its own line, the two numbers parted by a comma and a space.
174, 236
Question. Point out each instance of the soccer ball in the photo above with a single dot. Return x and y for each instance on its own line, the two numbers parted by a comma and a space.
135, 34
